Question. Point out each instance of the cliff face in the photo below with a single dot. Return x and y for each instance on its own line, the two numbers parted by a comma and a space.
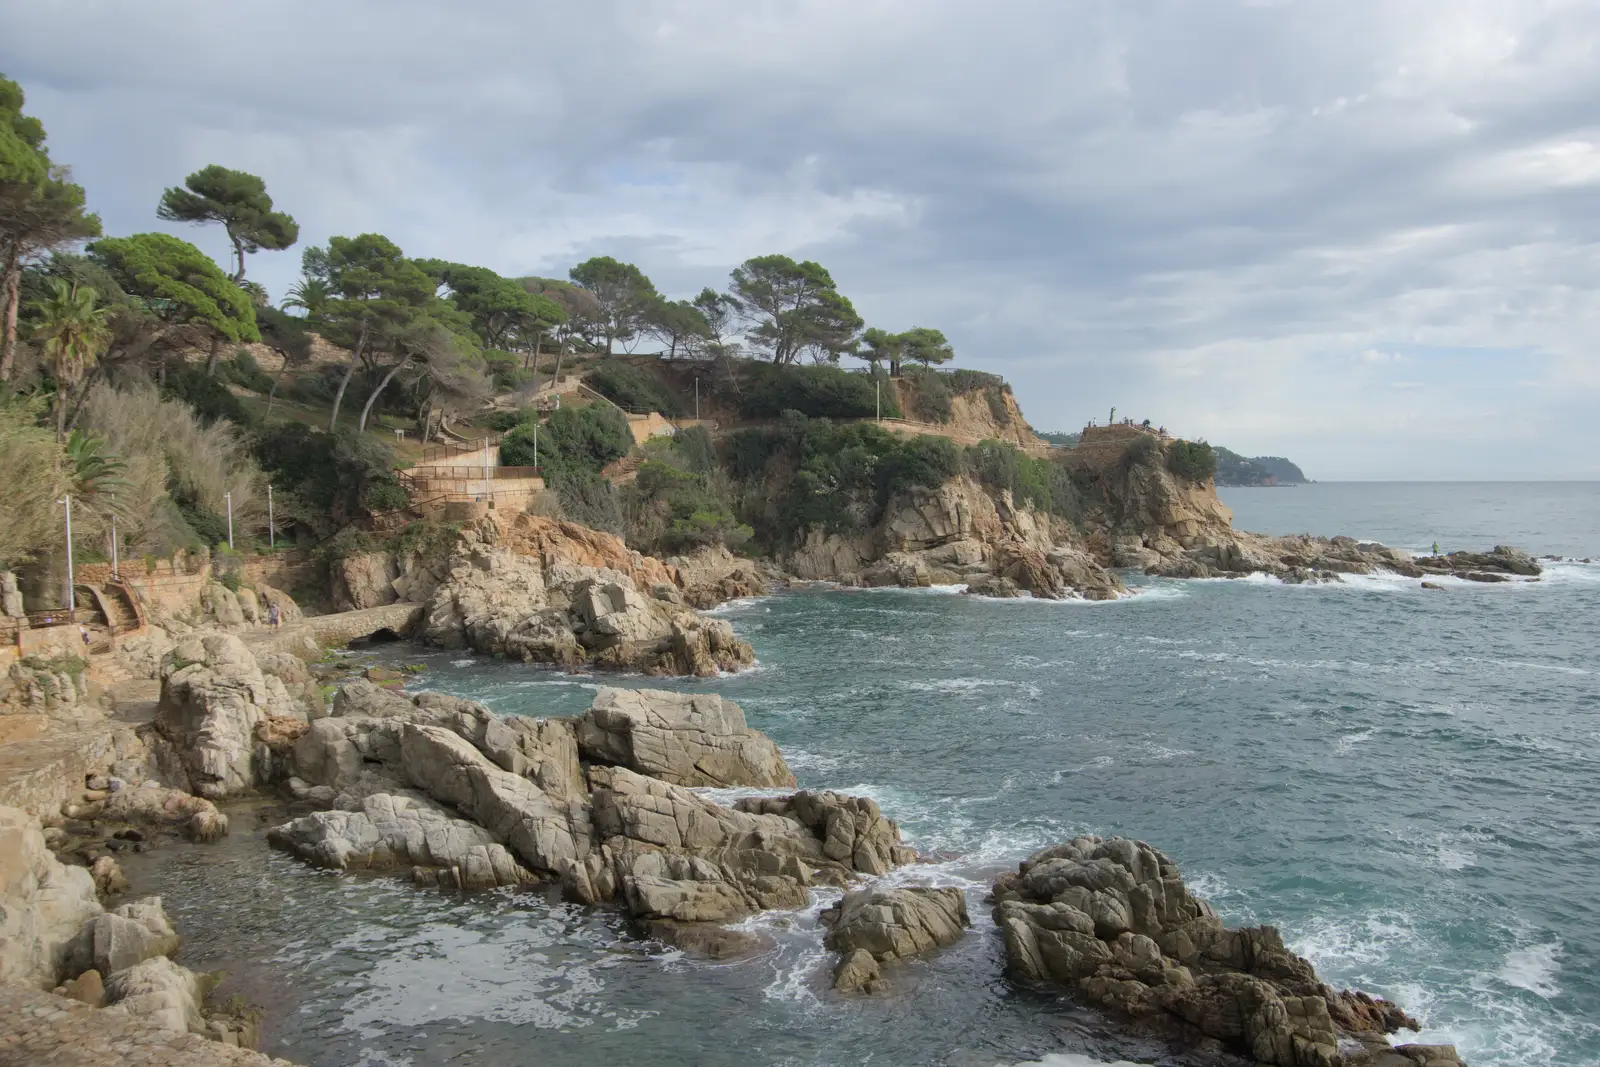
957, 534
982, 414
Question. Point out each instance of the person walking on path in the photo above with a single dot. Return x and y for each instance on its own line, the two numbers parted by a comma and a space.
274, 618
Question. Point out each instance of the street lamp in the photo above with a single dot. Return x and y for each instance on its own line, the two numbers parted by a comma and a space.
116, 571
72, 598
272, 540
229, 498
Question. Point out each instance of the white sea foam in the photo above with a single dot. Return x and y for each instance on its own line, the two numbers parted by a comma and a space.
469, 661
1070, 1059
1339, 944
968, 685
1349, 741
739, 603
1534, 968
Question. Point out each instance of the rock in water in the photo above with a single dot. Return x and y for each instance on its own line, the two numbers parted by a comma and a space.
891, 924
682, 738
858, 972
1112, 920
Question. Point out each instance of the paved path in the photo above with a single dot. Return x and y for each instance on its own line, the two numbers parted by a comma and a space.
44, 1030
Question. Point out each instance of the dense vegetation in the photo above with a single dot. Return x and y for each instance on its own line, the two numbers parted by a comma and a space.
1193, 460
633, 389
1234, 469
815, 391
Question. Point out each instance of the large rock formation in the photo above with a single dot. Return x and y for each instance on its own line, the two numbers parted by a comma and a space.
440, 784
214, 697
44, 905
555, 592
682, 738
958, 534
1113, 921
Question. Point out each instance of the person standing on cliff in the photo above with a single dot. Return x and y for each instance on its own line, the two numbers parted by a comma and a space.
1436, 548
274, 618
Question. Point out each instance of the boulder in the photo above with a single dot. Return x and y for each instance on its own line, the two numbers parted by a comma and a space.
88, 988
392, 832
364, 581
10, 596
858, 972
44, 905
1112, 920
152, 804
108, 877
129, 935
220, 602
695, 739
213, 696
896, 924
854, 832
160, 992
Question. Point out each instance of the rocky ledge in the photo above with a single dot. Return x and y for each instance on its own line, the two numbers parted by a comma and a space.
1111, 920
1311, 559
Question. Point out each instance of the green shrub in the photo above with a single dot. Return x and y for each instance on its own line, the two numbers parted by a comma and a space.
996, 397
502, 421
933, 401
633, 388
578, 439
695, 446
1193, 460
243, 370
326, 480
964, 381
505, 369
317, 387
207, 396
1044, 484
1140, 452
587, 498
817, 392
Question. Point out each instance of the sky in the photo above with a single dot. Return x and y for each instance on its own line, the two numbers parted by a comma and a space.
1364, 235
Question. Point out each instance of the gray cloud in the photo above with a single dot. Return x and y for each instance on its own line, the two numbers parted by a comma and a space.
1203, 213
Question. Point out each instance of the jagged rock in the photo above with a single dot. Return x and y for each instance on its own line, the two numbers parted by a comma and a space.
288, 610
993, 585
88, 988
549, 833
222, 604
151, 804
44, 905
712, 576
10, 596
108, 876
673, 854
364, 581
1113, 920
392, 832
854, 832
213, 695
858, 972
128, 935
159, 991
681, 738
705, 940
552, 592
896, 924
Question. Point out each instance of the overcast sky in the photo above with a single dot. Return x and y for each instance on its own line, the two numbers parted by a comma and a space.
1360, 234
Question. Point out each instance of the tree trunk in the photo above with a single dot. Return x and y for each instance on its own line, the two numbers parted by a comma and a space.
238, 251
11, 291
272, 394
373, 399
83, 395
344, 383
211, 360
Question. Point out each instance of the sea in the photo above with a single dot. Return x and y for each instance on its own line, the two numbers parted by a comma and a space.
1405, 781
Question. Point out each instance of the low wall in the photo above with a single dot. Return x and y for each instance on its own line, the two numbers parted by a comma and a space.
645, 427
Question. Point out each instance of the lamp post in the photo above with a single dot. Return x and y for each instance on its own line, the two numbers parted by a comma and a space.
116, 571
72, 598
486, 470
697, 400
229, 498
878, 396
272, 541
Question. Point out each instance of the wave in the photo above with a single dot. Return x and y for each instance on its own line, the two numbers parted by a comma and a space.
738, 603
1534, 968
1069, 1059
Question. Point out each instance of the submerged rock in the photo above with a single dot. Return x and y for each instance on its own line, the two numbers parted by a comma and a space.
1112, 920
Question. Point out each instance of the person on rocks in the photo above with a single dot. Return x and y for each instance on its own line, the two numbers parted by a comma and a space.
83, 632
1436, 548
274, 617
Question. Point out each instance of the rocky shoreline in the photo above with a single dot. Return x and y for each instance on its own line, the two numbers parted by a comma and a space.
603, 807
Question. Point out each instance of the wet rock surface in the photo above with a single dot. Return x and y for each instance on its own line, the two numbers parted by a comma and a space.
1112, 920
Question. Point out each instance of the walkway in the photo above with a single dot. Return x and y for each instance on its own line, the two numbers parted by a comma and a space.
43, 1030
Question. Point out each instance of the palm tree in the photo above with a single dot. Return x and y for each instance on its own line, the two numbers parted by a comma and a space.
73, 329
256, 292
310, 295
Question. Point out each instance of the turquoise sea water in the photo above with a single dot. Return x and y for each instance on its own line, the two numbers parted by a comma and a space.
1407, 782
